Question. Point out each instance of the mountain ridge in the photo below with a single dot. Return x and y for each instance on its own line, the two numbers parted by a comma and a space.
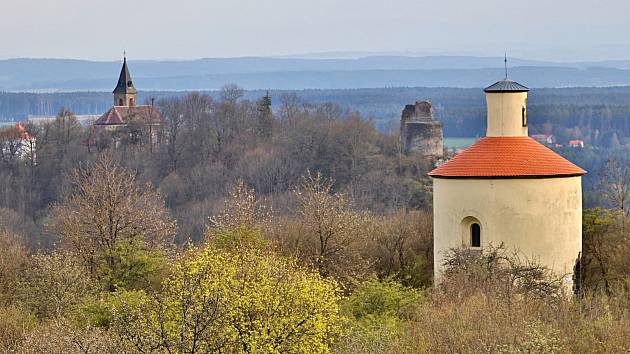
33, 74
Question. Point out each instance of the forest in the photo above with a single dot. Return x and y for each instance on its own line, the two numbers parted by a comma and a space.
600, 116
293, 226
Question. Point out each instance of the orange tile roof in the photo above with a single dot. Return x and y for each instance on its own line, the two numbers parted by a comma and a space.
24, 133
117, 114
507, 157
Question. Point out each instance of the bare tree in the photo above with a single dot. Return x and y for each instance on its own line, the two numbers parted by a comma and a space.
290, 107
231, 93
172, 111
331, 231
403, 246
108, 206
241, 209
616, 184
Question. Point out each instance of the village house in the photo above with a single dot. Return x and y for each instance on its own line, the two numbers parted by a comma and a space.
576, 143
547, 139
17, 144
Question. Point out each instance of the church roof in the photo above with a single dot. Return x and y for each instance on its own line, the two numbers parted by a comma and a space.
125, 84
117, 115
507, 157
506, 86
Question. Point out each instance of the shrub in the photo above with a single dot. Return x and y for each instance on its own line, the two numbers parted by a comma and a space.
54, 284
14, 324
378, 311
249, 301
499, 273
374, 299
65, 337
13, 260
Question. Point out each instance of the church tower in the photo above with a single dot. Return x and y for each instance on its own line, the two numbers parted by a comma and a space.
125, 92
509, 189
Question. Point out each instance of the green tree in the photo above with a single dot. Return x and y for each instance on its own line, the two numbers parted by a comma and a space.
265, 117
605, 248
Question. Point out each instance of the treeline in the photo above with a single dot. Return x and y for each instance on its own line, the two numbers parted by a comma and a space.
599, 116
210, 143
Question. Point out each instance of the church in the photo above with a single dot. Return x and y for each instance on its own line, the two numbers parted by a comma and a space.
126, 112
509, 189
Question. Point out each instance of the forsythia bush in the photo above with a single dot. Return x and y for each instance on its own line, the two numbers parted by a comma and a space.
226, 301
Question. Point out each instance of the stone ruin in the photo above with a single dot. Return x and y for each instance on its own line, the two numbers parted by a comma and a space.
419, 133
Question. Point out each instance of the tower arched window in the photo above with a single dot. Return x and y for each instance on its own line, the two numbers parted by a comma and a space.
131, 102
471, 232
120, 102
475, 235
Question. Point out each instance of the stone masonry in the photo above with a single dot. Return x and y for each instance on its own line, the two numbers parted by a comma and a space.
419, 133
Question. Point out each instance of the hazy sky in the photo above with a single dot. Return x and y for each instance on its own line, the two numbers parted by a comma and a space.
182, 29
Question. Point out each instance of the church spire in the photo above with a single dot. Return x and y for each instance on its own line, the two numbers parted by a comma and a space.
125, 92
125, 84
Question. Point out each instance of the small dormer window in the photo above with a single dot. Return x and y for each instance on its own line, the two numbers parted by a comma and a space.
129, 83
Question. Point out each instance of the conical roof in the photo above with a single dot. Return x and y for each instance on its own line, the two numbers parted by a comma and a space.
125, 84
507, 157
506, 86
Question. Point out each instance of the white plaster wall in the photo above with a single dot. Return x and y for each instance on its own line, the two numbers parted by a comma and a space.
541, 218
504, 115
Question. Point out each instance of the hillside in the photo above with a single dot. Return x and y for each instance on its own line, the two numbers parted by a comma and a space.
300, 73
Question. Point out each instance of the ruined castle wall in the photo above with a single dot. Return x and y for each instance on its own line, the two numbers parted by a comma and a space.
419, 133
425, 138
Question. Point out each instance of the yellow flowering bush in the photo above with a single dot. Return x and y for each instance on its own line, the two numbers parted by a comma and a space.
244, 300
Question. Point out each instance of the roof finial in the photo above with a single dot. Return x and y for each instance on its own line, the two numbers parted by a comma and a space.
505, 61
124, 55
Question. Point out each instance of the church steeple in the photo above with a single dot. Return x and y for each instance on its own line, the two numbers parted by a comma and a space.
125, 92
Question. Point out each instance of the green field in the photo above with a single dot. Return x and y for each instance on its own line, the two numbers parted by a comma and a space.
458, 143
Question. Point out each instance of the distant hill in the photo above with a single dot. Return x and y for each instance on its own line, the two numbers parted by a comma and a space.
303, 73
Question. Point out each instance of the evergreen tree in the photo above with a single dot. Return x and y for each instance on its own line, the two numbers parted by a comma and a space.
265, 117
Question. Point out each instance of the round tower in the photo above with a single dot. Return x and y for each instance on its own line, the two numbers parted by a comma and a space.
509, 189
